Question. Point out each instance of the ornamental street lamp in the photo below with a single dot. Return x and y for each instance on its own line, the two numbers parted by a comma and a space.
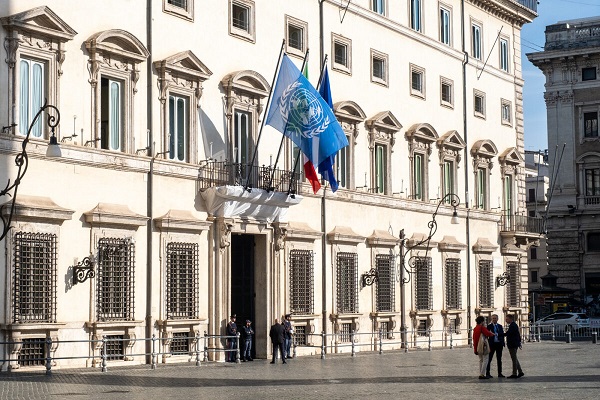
22, 162
411, 265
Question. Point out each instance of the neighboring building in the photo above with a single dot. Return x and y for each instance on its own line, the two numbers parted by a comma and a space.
536, 184
167, 99
570, 62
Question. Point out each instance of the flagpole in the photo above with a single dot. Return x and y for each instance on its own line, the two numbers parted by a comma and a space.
322, 72
283, 136
262, 123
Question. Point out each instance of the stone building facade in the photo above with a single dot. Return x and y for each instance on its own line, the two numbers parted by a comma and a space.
166, 213
570, 62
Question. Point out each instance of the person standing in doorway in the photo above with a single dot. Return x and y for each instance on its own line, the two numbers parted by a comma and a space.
513, 342
231, 341
277, 339
496, 345
287, 335
248, 332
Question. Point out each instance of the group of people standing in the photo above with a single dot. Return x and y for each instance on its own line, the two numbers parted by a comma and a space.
489, 341
280, 334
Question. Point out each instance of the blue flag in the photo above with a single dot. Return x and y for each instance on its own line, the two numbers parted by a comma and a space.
326, 166
299, 112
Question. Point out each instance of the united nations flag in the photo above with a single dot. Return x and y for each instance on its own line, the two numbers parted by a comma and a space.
299, 112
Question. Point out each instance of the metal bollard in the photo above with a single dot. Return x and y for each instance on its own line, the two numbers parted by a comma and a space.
553, 333
568, 336
205, 346
352, 341
153, 354
451, 345
295, 345
539, 333
429, 339
595, 337
405, 340
322, 345
380, 341
48, 356
104, 367
198, 349
237, 349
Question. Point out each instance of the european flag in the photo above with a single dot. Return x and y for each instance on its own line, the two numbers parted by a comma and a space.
299, 112
326, 166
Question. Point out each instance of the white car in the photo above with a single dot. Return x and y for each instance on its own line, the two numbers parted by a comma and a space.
564, 321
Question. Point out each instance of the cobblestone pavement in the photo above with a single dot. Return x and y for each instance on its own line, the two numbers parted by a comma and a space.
553, 370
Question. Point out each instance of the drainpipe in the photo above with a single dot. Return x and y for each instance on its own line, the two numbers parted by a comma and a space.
466, 162
149, 187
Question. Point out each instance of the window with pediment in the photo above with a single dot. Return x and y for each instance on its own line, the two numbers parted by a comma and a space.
113, 65
180, 79
450, 147
349, 115
382, 129
245, 93
482, 152
510, 160
420, 139
35, 46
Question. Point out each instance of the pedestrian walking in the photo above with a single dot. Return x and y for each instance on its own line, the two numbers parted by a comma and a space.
231, 341
513, 343
496, 345
248, 332
277, 339
481, 346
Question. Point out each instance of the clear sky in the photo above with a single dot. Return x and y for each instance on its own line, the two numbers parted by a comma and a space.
532, 40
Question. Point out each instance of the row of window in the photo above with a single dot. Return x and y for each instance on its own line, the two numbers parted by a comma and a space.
347, 283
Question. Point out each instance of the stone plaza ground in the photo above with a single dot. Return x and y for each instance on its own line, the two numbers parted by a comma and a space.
553, 370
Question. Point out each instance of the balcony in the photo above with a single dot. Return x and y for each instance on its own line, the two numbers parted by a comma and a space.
522, 224
215, 174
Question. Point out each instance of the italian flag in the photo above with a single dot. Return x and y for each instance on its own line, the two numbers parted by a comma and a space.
309, 169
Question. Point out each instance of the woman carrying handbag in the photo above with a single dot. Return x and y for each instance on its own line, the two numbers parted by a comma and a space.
481, 346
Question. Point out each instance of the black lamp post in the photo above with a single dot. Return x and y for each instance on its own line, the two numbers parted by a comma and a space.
409, 265
22, 162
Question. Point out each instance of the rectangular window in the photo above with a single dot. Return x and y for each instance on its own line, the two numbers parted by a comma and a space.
448, 178
380, 168
379, 67
178, 128
506, 112
378, 6
181, 343
347, 282
241, 19
453, 287
115, 280
180, 8
531, 195
508, 190
301, 281
34, 291
533, 253
590, 124
111, 123
444, 26
342, 167
588, 74
481, 200
486, 284
476, 50
242, 139
418, 178
415, 15
33, 352
178, 3
342, 53
446, 92
534, 275
182, 280
115, 347
593, 241
504, 55
592, 182
32, 83
479, 104
386, 299
417, 81
514, 286
423, 284
296, 36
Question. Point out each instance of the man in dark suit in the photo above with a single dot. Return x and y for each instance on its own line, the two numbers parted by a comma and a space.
513, 342
496, 345
277, 338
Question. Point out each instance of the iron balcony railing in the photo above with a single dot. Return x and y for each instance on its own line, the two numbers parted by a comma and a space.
531, 4
521, 223
223, 173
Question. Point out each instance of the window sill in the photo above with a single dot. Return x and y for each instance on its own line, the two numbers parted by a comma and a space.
447, 105
242, 34
418, 94
379, 81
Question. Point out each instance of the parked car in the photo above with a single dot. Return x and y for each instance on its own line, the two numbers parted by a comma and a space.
564, 321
